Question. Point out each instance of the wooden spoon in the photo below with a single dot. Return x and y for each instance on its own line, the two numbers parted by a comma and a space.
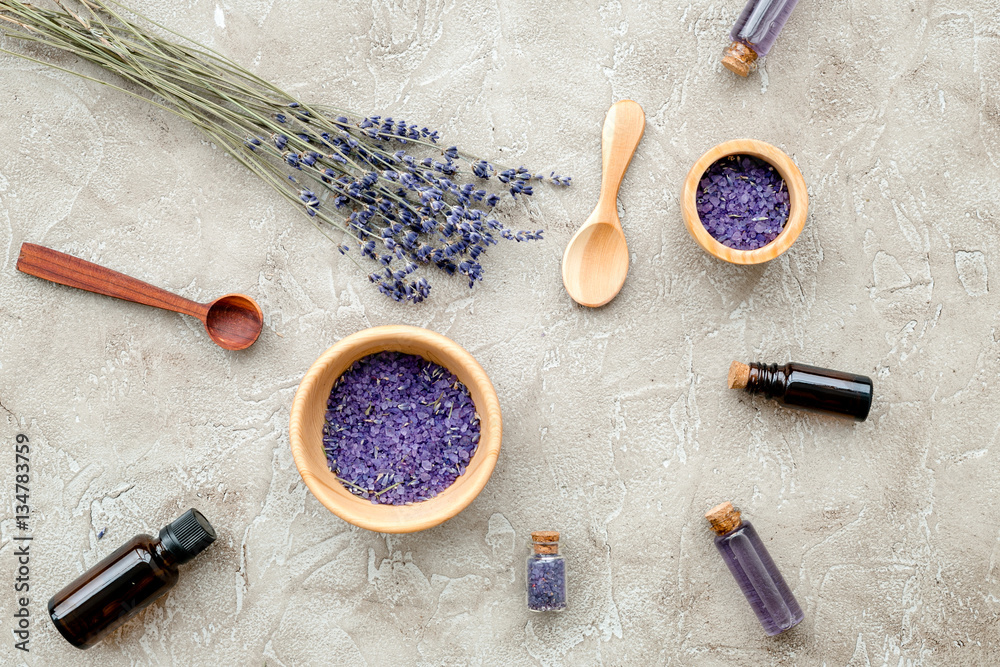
596, 260
233, 321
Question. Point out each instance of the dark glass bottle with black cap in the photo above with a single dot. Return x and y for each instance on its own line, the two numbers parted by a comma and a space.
137, 573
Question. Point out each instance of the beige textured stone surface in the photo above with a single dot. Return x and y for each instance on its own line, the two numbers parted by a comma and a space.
620, 432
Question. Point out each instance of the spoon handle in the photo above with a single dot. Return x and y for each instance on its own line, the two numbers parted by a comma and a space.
65, 269
623, 128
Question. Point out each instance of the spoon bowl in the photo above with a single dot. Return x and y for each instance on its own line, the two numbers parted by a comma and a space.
596, 269
595, 263
234, 321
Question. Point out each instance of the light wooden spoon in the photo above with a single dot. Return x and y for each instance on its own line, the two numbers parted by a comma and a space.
596, 260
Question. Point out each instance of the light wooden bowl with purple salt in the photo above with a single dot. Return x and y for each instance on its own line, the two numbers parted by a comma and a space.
798, 200
309, 416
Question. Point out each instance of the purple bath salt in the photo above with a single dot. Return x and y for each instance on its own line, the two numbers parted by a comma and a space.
742, 202
547, 584
399, 429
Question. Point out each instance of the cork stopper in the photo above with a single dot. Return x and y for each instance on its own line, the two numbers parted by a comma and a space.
739, 375
740, 58
724, 518
545, 541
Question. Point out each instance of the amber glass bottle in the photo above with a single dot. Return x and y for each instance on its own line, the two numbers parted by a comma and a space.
806, 387
132, 577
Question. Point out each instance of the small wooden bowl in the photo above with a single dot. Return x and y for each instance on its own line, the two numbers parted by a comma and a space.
798, 201
309, 415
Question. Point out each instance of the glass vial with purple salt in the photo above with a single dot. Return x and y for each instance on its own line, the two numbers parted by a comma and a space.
546, 573
754, 33
755, 572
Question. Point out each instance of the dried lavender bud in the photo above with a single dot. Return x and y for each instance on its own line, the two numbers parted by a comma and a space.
399, 429
742, 202
546, 583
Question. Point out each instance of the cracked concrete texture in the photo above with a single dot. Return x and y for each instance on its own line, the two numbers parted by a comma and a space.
619, 430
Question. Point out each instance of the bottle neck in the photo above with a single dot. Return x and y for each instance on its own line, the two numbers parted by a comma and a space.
735, 529
545, 541
162, 554
545, 548
770, 380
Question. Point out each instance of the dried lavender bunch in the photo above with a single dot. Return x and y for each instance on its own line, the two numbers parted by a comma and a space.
407, 203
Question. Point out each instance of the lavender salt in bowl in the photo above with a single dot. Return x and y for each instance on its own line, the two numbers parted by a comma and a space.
399, 429
744, 201
422, 461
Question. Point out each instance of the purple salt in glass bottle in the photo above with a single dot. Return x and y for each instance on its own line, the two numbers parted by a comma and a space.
754, 33
546, 573
755, 572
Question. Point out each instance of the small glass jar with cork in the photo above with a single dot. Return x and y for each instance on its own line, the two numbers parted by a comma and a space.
546, 581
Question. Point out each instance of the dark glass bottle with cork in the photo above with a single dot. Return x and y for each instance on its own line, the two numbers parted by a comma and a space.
806, 387
133, 576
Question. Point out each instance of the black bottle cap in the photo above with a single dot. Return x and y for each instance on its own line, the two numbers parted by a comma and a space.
187, 536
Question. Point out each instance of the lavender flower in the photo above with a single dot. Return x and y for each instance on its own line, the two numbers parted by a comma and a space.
407, 203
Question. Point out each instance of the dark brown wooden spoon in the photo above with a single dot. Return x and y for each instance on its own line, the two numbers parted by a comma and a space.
233, 321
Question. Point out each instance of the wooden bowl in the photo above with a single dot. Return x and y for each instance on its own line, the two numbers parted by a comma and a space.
309, 415
798, 201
